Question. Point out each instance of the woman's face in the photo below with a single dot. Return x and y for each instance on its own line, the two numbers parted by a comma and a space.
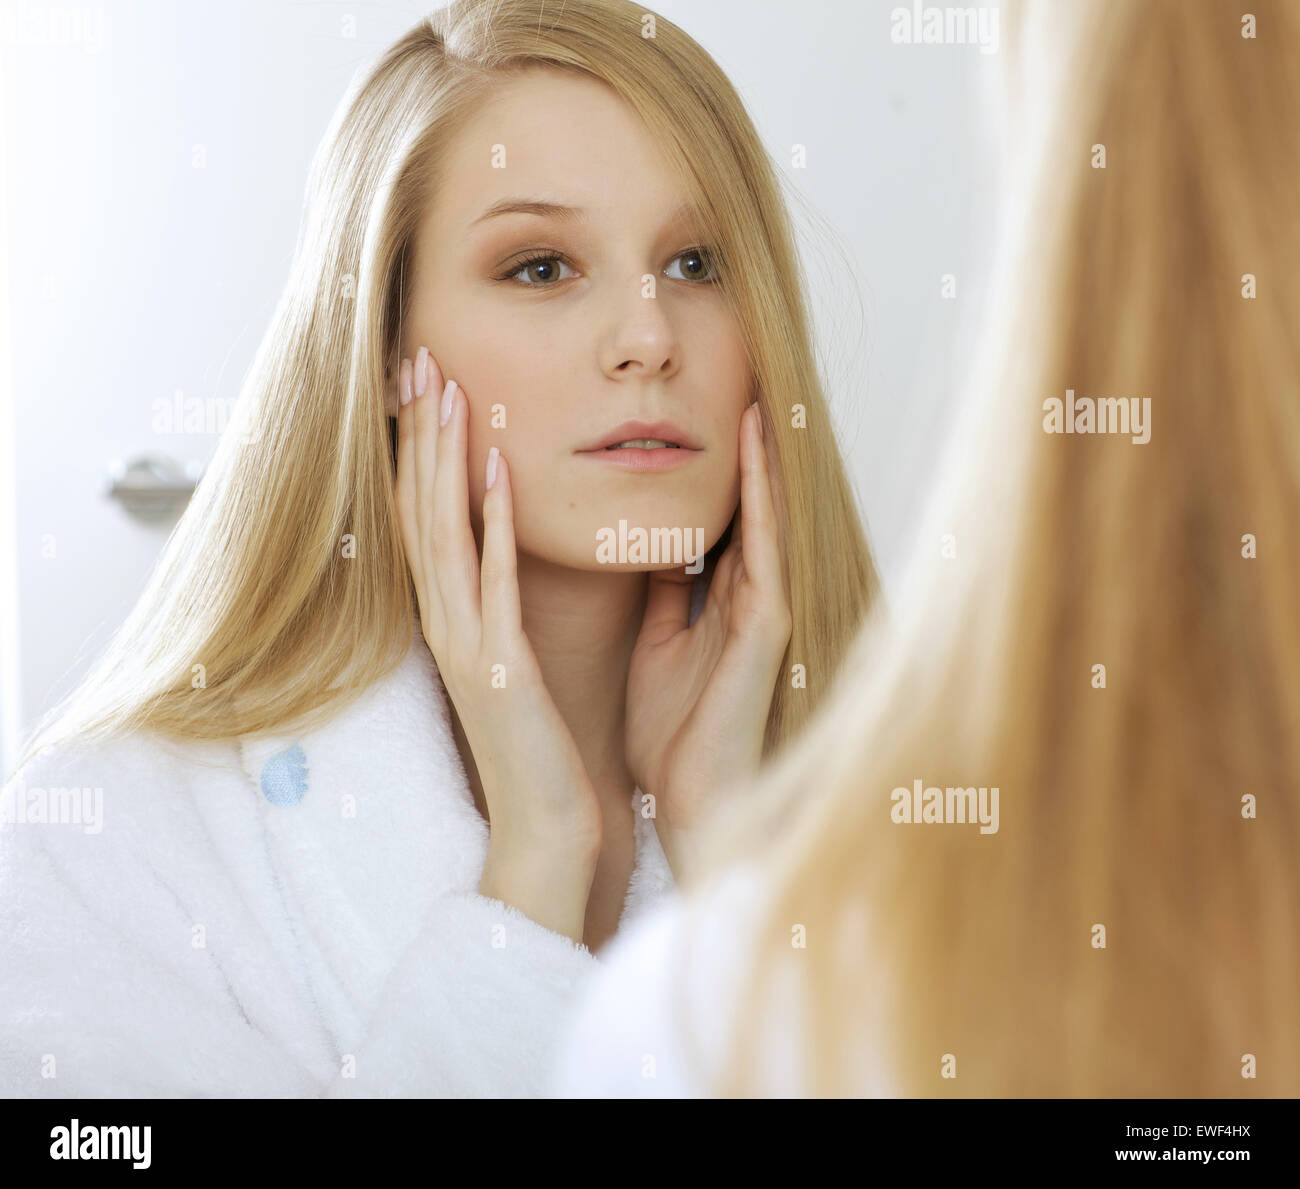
557, 353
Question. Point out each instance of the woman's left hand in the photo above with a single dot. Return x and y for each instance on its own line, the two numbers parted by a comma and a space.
698, 695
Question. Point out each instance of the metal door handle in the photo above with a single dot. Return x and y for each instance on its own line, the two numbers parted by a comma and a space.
152, 487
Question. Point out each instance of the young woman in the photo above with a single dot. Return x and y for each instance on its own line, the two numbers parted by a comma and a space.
405, 725
1096, 653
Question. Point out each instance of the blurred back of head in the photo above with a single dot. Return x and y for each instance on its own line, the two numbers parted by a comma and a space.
1100, 625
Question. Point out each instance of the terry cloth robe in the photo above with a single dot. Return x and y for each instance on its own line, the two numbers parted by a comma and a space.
296, 916
652, 1021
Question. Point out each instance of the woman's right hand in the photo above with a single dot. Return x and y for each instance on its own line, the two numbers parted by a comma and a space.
544, 813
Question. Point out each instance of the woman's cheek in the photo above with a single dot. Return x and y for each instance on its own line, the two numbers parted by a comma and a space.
729, 475
476, 462
528, 489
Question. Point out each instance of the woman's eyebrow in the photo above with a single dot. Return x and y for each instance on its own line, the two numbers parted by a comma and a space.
556, 210
532, 206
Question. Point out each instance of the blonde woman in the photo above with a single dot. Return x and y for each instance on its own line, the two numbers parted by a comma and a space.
1094, 660
522, 315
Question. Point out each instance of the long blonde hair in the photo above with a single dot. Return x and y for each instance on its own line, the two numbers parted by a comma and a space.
1157, 798
285, 578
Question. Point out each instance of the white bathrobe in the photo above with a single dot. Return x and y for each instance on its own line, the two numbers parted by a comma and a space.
294, 917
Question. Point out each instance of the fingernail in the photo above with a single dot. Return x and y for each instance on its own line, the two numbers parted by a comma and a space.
421, 370
404, 383
445, 413
759, 418
493, 455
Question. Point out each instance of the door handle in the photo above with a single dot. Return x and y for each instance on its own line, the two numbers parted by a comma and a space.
152, 487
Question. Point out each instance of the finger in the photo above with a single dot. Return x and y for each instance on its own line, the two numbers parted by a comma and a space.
422, 418
667, 605
455, 554
502, 618
758, 527
392, 398
404, 490
724, 574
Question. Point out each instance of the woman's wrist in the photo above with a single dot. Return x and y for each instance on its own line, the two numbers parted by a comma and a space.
548, 884
677, 843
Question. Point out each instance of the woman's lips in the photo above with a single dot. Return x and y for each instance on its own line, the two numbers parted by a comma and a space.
661, 458
644, 432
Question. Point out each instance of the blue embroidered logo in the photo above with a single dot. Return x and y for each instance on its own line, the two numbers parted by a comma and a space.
284, 777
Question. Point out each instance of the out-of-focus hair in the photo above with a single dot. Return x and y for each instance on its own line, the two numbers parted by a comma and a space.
1172, 563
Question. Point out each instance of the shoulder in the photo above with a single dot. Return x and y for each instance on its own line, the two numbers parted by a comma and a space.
122, 938
95, 840
87, 811
75, 782
656, 1019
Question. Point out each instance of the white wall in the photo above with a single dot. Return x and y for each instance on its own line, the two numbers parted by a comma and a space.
157, 155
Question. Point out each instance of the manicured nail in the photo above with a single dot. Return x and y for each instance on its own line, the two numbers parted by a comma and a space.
448, 392
404, 383
421, 370
493, 455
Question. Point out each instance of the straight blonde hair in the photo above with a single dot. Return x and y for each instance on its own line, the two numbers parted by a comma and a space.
1132, 928
283, 592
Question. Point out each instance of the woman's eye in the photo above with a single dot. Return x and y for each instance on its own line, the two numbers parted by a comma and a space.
543, 271
699, 266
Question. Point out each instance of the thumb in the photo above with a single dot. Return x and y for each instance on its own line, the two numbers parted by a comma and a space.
667, 605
